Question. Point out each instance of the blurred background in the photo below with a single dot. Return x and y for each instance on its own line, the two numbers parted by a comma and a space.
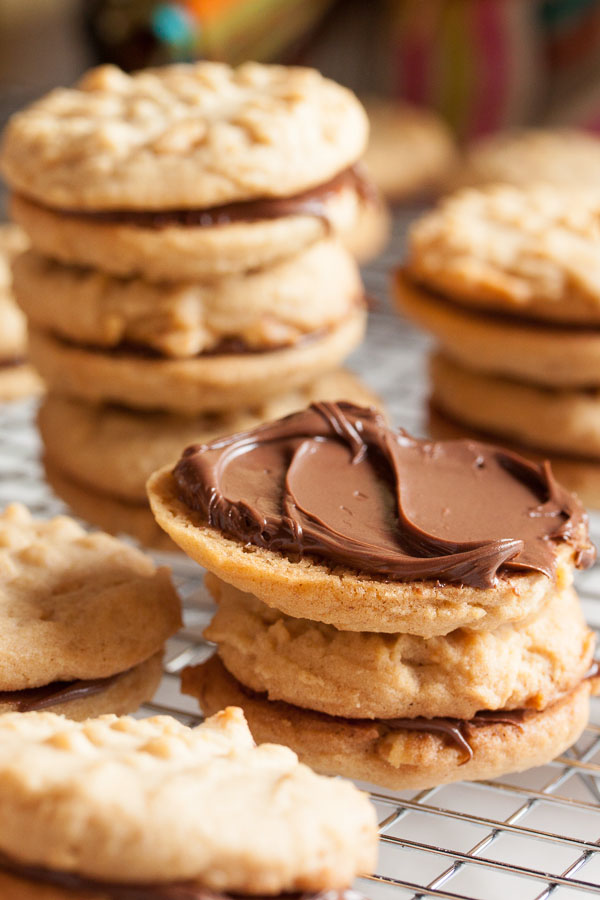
482, 64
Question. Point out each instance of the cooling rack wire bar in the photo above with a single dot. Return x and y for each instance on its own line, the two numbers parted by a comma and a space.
529, 836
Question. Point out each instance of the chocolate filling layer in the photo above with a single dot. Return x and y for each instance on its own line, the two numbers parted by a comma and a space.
493, 315
313, 202
11, 362
458, 731
226, 347
334, 482
35, 699
182, 890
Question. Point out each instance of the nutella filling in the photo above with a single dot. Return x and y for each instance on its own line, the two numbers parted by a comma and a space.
181, 890
12, 362
230, 346
492, 315
312, 202
49, 695
335, 483
458, 731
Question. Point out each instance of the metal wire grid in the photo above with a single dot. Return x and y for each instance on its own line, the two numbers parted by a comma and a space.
529, 836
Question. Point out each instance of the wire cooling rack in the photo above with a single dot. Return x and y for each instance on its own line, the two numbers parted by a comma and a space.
531, 835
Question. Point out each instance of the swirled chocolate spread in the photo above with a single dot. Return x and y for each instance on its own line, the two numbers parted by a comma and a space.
35, 699
312, 202
335, 483
182, 890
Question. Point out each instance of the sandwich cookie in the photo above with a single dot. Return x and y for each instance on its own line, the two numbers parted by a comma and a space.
186, 171
209, 382
17, 379
403, 753
408, 565
169, 793
86, 619
506, 279
262, 310
330, 515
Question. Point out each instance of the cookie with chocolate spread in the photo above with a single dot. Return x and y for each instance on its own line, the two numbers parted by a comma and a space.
114, 450
402, 753
177, 790
85, 618
187, 171
262, 310
17, 379
331, 515
367, 675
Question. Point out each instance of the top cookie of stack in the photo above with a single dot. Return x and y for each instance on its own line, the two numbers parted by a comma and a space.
187, 174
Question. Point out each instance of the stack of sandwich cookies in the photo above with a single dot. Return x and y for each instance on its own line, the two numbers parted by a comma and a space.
506, 279
85, 619
186, 261
17, 379
296, 833
360, 572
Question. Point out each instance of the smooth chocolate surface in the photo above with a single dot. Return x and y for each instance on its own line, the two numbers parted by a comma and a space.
335, 483
35, 699
312, 202
69, 881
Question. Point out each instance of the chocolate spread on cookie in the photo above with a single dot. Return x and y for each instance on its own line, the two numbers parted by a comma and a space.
335, 483
49, 695
312, 202
182, 890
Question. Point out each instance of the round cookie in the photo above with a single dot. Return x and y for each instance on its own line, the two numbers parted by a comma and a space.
556, 356
410, 150
190, 386
107, 512
370, 675
423, 594
189, 252
114, 450
315, 834
563, 157
261, 310
183, 136
390, 755
78, 607
531, 253
554, 421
